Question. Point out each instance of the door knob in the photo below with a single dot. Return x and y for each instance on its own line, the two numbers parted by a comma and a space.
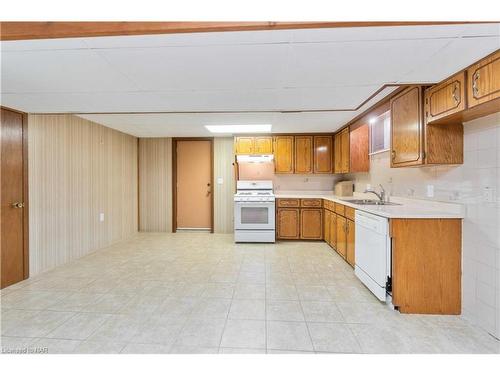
18, 205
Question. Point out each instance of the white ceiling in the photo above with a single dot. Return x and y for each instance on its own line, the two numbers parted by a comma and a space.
335, 69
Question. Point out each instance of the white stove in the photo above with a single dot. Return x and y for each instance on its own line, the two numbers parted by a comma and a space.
254, 212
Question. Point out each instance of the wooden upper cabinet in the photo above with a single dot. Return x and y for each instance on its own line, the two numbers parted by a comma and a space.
341, 150
323, 158
407, 128
303, 154
263, 145
446, 98
244, 145
283, 154
288, 223
311, 223
344, 145
359, 148
483, 80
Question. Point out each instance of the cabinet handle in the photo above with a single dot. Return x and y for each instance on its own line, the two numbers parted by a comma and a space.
454, 94
18, 205
393, 154
475, 89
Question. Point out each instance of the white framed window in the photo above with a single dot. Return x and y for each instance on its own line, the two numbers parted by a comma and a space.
380, 133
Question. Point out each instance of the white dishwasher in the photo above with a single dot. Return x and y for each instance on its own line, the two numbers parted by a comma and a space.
373, 253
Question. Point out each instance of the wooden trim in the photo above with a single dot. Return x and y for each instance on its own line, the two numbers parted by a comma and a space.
50, 30
26, 221
174, 178
138, 189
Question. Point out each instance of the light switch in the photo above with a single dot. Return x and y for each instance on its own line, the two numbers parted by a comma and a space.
101, 216
220, 180
430, 191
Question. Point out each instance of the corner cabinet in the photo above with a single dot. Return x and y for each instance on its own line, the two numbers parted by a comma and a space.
407, 128
323, 154
342, 151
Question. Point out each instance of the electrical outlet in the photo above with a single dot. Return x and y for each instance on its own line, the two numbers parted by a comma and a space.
368, 186
101, 216
488, 194
220, 180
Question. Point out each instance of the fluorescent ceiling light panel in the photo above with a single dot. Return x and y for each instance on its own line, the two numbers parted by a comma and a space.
231, 129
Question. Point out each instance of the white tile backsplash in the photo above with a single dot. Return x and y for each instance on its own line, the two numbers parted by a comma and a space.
466, 184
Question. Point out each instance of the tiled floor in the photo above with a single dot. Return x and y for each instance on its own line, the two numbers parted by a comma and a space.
201, 293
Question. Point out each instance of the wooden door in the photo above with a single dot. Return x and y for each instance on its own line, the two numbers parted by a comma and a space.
407, 128
333, 230
263, 145
483, 80
350, 242
341, 236
446, 98
303, 154
244, 145
288, 223
283, 154
359, 147
14, 213
194, 184
344, 150
323, 159
337, 151
326, 225
311, 224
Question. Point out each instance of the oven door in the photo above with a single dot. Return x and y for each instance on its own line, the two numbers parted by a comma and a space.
254, 215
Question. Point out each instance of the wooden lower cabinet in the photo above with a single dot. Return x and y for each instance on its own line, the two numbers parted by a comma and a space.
326, 225
288, 220
311, 224
341, 236
426, 265
350, 242
333, 230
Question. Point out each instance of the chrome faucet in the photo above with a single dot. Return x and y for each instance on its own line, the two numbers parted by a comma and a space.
381, 195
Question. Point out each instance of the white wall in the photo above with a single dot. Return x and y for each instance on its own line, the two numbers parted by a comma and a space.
77, 170
466, 184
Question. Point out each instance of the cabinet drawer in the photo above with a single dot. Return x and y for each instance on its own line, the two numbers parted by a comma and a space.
288, 202
349, 213
310, 202
339, 208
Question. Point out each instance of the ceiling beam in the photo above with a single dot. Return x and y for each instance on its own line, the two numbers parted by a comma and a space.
52, 30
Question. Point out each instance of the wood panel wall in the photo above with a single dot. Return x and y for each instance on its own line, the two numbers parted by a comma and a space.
223, 193
77, 170
155, 184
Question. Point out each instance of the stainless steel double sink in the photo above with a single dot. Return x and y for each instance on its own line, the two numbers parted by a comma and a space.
373, 202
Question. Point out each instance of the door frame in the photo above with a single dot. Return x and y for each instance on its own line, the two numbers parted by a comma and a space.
26, 271
174, 178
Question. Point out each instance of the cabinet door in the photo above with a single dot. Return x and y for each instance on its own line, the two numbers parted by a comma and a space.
341, 236
263, 145
311, 223
350, 242
407, 128
344, 150
483, 80
359, 149
323, 154
446, 98
288, 223
303, 154
244, 145
333, 230
337, 151
283, 154
326, 225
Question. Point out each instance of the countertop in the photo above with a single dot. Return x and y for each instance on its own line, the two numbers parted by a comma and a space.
407, 208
